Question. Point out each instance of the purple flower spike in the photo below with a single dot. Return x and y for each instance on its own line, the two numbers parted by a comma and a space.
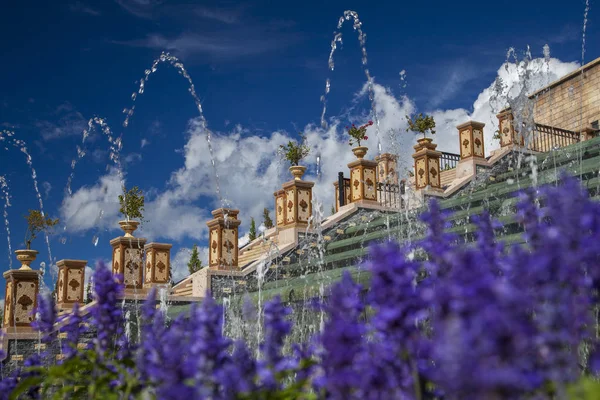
45, 317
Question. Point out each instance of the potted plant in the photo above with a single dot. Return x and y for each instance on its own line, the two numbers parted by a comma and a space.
421, 123
132, 206
36, 223
294, 152
358, 133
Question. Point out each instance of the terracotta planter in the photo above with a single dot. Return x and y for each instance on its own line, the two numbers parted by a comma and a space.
26, 257
424, 140
129, 227
297, 171
360, 151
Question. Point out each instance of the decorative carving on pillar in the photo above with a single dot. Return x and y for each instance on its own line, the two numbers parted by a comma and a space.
387, 167
20, 299
158, 264
223, 234
69, 288
427, 164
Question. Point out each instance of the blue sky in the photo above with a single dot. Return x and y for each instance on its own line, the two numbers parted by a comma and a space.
259, 68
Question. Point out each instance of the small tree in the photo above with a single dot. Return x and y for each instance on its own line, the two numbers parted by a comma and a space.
132, 203
36, 223
295, 151
267, 222
421, 123
332, 209
194, 264
252, 233
358, 133
89, 295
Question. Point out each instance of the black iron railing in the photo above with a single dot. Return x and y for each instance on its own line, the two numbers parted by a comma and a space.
390, 195
449, 160
546, 138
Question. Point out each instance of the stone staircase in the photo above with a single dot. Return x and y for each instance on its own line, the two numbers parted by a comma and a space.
346, 244
254, 250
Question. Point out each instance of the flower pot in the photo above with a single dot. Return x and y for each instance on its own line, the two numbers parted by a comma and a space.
360, 151
26, 257
424, 140
297, 171
129, 226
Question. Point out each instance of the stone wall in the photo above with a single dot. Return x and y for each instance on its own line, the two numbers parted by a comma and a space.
564, 104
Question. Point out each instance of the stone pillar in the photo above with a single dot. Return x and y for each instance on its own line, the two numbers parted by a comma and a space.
427, 165
506, 128
223, 239
363, 181
158, 264
22, 288
298, 203
588, 133
280, 214
71, 279
127, 260
472, 150
387, 168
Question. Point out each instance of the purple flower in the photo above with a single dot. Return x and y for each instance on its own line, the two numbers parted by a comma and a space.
238, 376
399, 352
342, 340
276, 329
208, 353
45, 317
73, 329
438, 244
483, 333
107, 316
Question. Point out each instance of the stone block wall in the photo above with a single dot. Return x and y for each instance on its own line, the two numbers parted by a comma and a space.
569, 104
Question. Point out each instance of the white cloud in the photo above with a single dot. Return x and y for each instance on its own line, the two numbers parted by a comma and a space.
144, 143
249, 170
47, 188
94, 206
491, 101
70, 123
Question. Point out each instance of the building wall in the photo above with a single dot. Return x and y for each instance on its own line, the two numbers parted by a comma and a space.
564, 104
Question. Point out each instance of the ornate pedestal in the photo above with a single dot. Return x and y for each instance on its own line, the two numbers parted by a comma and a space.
127, 260
158, 264
363, 181
20, 299
71, 279
427, 165
223, 239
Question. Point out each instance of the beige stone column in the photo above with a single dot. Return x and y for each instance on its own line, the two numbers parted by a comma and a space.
280, 209
427, 164
298, 203
127, 260
508, 135
20, 298
472, 148
387, 168
363, 181
223, 239
158, 264
71, 279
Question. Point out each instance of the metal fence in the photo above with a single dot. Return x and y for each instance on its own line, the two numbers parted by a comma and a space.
546, 138
390, 195
449, 160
